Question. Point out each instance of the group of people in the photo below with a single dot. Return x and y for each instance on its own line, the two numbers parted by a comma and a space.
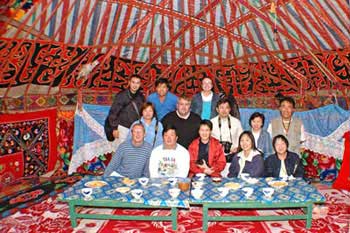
170, 136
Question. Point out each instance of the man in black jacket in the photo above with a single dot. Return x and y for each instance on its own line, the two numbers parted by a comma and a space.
125, 110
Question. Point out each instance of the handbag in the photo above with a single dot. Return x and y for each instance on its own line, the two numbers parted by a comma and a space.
108, 131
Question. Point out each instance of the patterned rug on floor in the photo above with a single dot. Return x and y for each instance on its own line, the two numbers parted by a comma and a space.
53, 216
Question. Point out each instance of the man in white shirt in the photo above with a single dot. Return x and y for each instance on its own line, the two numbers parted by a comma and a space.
226, 128
287, 125
169, 159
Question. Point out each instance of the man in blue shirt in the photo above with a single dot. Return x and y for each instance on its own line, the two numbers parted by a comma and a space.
163, 100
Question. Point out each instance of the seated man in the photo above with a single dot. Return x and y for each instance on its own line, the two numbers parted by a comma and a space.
185, 121
283, 163
169, 159
207, 155
163, 100
132, 156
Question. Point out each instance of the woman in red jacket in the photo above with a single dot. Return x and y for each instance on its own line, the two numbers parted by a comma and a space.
206, 153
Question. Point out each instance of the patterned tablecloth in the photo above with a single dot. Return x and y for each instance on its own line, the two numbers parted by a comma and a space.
296, 191
155, 193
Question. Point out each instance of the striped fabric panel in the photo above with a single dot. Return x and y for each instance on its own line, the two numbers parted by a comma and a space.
70, 19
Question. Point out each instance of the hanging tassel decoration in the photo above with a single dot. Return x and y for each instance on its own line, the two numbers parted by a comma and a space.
274, 12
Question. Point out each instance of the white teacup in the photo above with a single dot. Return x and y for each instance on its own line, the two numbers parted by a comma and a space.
223, 191
172, 181
244, 176
87, 192
143, 181
200, 176
137, 193
174, 192
268, 192
197, 193
248, 191
197, 184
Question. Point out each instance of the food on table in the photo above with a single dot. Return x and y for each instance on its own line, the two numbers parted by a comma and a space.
216, 179
123, 189
95, 184
128, 181
232, 185
278, 184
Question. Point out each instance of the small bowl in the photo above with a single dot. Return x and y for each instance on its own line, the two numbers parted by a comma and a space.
223, 191
197, 184
143, 181
172, 181
197, 193
244, 176
247, 191
137, 193
268, 192
252, 180
174, 192
200, 176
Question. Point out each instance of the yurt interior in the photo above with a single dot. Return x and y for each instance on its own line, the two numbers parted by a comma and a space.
174, 116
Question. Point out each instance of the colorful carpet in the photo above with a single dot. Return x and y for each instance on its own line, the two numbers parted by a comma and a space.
53, 216
27, 144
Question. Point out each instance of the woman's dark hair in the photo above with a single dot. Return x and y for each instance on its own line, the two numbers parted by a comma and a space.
282, 137
251, 136
146, 105
255, 115
167, 128
207, 123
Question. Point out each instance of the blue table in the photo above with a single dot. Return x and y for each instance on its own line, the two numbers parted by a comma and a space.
155, 195
297, 194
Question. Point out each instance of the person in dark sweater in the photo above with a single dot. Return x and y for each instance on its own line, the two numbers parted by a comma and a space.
124, 111
185, 121
283, 163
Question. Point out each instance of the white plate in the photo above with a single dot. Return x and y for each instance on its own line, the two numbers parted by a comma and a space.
252, 180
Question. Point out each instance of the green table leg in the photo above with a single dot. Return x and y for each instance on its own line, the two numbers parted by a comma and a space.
309, 215
72, 214
205, 217
174, 218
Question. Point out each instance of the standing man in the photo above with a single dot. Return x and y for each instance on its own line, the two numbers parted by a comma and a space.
287, 125
163, 100
132, 156
204, 102
169, 159
185, 121
226, 128
125, 110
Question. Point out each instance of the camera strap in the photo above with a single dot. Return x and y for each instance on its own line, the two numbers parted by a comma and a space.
229, 126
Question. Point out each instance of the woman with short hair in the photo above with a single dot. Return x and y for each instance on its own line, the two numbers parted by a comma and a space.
283, 163
152, 125
261, 136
